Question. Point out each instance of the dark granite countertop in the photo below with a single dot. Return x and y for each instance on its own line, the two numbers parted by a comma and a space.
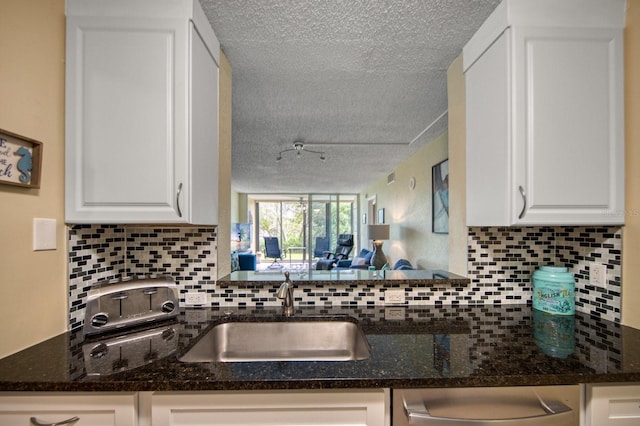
431, 346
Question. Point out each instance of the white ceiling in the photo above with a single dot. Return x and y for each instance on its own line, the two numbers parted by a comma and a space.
362, 80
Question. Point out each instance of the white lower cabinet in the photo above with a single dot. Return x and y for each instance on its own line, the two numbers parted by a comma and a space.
301, 407
613, 405
90, 409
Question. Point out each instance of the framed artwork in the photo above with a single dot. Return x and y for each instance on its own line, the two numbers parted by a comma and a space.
440, 198
20, 160
380, 215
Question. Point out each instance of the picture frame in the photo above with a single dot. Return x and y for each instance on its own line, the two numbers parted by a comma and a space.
440, 198
380, 216
20, 160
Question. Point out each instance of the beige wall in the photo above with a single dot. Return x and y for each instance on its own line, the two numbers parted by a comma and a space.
457, 169
223, 229
631, 233
33, 285
409, 212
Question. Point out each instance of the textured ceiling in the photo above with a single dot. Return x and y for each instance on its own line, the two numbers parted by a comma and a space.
362, 80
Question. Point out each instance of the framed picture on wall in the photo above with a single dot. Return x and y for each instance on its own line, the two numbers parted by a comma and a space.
440, 197
380, 215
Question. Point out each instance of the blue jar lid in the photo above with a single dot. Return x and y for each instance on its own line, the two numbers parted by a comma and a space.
559, 274
554, 269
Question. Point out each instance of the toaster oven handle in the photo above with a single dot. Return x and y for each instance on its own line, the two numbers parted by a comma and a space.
418, 413
35, 422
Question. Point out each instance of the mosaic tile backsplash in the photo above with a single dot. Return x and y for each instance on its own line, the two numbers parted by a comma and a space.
500, 263
502, 260
99, 252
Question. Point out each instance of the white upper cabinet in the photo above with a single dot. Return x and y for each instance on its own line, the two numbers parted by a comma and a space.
141, 112
544, 107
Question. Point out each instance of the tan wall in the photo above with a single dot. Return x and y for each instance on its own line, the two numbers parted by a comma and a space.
33, 285
224, 172
631, 233
457, 169
235, 207
409, 212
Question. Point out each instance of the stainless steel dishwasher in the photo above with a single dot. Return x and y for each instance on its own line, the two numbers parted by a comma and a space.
526, 405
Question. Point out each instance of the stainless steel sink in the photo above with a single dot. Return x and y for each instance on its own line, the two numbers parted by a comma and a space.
289, 340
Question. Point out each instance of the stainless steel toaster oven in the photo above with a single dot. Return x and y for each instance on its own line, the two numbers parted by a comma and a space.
128, 302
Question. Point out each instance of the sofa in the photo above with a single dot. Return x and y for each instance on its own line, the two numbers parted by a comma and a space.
361, 261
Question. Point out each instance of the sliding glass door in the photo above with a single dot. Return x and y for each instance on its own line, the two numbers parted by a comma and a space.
306, 226
330, 216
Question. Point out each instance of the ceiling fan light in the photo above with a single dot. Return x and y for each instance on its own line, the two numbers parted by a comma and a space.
298, 147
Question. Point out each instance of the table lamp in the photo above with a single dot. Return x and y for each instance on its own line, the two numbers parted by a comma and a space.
377, 233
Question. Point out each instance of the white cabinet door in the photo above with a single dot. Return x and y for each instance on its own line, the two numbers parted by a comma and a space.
136, 141
362, 407
95, 409
568, 133
613, 405
545, 141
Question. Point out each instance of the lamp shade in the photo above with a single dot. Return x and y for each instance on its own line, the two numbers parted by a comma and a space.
378, 232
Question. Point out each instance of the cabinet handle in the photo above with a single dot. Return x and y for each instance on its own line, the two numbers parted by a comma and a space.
524, 199
178, 199
418, 413
35, 421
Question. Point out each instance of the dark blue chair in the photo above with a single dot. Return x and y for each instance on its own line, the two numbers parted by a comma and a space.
342, 251
272, 251
322, 246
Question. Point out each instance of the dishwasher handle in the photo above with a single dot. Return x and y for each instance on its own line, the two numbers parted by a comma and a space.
418, 413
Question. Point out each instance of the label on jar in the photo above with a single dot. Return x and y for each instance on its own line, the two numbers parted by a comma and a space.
554, 299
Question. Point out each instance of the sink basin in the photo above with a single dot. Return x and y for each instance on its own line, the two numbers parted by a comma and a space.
283, 340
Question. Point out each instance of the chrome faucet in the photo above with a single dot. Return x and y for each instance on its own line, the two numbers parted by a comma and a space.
285, 292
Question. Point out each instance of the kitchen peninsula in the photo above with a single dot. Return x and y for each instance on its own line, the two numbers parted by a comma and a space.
405, 277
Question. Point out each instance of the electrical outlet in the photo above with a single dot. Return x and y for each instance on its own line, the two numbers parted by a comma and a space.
194, 298
598, 274
394, 314
394, 297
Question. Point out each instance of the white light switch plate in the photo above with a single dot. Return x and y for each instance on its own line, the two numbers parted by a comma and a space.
44, 234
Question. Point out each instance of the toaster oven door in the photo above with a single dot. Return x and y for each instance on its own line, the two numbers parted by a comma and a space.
514, 406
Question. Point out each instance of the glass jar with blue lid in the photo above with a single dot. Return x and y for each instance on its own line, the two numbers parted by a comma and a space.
554, 290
